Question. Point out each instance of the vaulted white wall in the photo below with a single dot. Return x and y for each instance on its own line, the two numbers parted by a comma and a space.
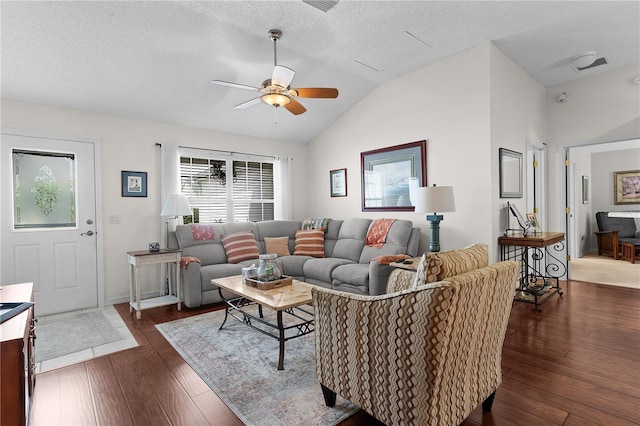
466, 107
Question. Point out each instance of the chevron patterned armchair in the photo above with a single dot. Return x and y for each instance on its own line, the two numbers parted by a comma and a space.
419, 356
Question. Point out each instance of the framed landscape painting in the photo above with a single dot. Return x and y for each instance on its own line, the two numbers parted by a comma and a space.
391, 175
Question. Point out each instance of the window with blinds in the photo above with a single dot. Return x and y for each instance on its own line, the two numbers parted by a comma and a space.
244, 194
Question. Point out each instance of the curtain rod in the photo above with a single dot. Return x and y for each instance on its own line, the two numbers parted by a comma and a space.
221, 151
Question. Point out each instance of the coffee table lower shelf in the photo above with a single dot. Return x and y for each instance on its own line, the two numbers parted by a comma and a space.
300, 321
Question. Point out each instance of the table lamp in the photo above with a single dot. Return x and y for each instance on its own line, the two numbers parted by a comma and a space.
435, 199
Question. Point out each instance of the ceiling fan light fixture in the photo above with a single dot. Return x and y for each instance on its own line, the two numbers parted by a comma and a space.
275, 99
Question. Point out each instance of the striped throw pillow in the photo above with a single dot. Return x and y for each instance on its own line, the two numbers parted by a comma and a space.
310, 243
240, 246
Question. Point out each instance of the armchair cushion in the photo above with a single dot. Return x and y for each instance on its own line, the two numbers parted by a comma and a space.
438, 266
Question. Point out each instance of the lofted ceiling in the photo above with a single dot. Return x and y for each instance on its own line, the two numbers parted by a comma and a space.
154, 60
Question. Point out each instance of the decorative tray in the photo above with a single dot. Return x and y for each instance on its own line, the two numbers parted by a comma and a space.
268, 285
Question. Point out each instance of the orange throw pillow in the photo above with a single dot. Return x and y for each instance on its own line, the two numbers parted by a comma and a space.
277, 245
240, 246
310, 243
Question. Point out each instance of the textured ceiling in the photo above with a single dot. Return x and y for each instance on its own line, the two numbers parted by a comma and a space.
155, 60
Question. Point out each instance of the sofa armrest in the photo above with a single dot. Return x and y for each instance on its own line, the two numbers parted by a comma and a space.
608, 243
191, 285
378, 276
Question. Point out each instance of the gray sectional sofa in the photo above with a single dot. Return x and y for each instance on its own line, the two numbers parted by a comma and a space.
345, 267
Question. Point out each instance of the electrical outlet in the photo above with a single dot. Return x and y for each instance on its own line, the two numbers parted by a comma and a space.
114, 219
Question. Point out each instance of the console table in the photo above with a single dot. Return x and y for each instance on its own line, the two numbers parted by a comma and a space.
543, 263
145, 257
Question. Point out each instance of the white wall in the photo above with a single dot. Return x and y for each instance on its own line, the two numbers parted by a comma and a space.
443, 103
602, 108
129, 144
517, 116
466, 107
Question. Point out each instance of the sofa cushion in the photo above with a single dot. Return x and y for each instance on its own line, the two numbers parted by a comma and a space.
208, 251
322, 269
208, 273
626, 226
396, 242
240, 246
310, 243
356, 274
277, 245
351, 237
292, 265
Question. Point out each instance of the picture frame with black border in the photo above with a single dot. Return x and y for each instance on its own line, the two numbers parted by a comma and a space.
390, 174
338, 182
134, 184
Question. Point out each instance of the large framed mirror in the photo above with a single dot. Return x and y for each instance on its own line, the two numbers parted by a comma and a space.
510, 174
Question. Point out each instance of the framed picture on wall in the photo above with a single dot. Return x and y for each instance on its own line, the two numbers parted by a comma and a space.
338, 181
390, 176
510, 174
626, 187
134, 184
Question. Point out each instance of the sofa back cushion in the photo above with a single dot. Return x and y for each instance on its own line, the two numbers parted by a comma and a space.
351, 237
626, 226
395, 243
439, 266
331, 236
277, 228
208, 250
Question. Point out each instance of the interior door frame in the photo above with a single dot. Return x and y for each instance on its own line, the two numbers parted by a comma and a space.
97, 171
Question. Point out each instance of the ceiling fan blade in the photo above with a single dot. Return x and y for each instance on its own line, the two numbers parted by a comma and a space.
282, 76
249, 104
315, 92
236, 85
295, 107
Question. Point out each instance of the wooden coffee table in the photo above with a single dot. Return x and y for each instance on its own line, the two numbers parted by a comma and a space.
293, 300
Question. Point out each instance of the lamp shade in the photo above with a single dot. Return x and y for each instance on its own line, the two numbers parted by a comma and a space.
435, 199
176, 205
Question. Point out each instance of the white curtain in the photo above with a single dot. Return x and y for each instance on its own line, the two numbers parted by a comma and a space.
169, 184
283, 187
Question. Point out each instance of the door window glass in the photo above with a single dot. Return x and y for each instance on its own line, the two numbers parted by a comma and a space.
44, 188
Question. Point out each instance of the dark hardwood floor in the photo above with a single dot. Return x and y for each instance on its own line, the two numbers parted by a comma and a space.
575, 363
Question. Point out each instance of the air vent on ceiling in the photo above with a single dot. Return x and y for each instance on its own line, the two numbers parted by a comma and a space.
596, 63
323, 5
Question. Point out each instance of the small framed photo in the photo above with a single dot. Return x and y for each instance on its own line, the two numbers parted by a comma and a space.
338, 179
533, 220
134, 184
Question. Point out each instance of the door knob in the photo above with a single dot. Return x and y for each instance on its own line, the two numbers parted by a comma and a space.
89, 233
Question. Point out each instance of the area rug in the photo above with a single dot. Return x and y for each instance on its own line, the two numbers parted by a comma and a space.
240, 365
64, 334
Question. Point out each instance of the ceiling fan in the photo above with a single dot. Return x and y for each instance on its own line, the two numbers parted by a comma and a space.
277, 90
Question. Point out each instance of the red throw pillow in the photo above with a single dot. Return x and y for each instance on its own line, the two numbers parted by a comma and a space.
310, 243
240, 246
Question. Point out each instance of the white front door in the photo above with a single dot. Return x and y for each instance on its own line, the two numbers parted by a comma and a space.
48, 216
